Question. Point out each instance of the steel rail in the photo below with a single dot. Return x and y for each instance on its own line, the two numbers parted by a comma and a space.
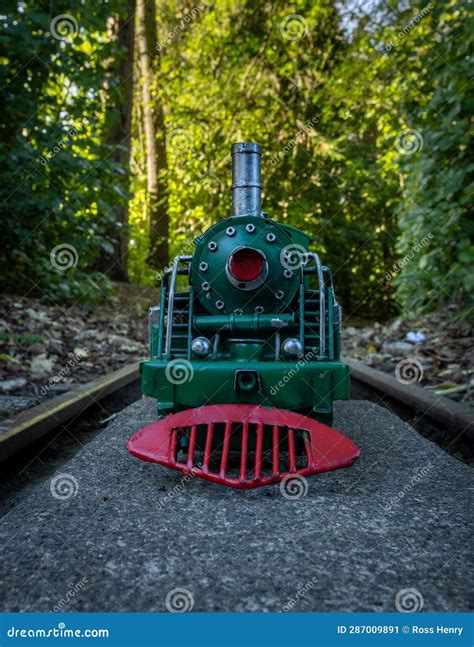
33, 423
438, 408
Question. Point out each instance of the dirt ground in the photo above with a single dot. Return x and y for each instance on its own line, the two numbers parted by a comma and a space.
46, 349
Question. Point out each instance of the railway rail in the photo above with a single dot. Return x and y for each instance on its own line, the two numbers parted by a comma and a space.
409, 401
79, 509
129, 532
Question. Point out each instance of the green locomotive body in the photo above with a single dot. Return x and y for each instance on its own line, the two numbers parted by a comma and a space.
257, 321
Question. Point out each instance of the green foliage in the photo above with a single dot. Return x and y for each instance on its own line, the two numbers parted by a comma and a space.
437, 101
329, 96
234, 75
25, 339
58, 185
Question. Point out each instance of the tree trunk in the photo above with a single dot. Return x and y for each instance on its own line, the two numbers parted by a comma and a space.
155, 135
119, 115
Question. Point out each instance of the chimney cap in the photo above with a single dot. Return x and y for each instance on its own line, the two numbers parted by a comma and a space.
246, 147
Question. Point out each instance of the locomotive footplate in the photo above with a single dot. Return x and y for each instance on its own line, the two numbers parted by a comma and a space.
243, 446
313, 386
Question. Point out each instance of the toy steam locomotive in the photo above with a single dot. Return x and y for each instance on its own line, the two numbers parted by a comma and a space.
244, 362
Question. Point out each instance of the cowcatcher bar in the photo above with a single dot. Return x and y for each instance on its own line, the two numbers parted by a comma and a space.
243, 446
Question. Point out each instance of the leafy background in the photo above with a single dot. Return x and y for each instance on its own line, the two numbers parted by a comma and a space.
364, 118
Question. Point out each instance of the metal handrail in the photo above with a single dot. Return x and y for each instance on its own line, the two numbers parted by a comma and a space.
322, 304
171, 292
331, 284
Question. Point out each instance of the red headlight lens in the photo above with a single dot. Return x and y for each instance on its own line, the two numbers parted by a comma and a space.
246, 264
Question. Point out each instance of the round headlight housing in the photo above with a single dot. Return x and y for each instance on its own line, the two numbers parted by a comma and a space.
292, 347
201, 347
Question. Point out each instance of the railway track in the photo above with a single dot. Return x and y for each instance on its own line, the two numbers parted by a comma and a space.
443, 421
446, 422
34, 423
121, 534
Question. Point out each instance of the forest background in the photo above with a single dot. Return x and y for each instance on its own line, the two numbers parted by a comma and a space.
117, 119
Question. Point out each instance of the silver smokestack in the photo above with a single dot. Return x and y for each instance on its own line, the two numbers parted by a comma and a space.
246, 181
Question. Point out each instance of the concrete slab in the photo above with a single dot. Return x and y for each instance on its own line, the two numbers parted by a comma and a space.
132, 532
